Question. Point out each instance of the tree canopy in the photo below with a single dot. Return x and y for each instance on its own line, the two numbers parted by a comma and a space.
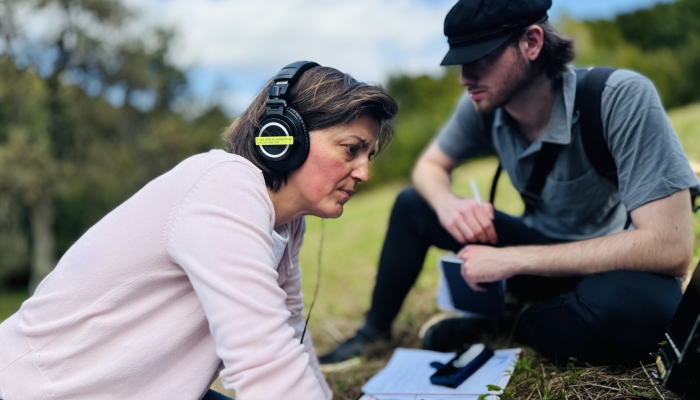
87, 117
91, 110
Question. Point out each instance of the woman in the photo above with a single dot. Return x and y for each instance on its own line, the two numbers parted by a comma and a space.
197, 273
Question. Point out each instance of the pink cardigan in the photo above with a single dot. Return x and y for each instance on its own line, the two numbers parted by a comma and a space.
175, 285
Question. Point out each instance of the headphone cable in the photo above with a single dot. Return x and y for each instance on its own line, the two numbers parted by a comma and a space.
318, 280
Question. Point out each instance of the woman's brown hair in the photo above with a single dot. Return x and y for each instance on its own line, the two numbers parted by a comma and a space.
324, 97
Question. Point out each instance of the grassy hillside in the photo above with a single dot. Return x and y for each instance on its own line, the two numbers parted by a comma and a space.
351, 246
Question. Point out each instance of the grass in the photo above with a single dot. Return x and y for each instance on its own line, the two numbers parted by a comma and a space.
349, 257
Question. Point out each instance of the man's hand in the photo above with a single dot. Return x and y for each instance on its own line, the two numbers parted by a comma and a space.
467, 221
487, 264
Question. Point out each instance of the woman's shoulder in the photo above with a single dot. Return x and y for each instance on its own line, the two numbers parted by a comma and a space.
194, 168
217, 157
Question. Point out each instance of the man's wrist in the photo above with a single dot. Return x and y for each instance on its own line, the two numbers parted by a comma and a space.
519, 260
444, 201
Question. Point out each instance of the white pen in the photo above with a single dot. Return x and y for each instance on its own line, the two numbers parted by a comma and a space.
475, 192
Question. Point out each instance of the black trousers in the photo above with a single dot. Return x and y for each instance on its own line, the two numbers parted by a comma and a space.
606, 318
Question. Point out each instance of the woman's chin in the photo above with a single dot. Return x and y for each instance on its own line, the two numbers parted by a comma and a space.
334, 213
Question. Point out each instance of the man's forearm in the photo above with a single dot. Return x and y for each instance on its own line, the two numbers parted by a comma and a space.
433, 183
662, 243
632, 250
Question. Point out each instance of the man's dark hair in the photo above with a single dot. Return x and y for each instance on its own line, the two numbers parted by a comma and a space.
557, 51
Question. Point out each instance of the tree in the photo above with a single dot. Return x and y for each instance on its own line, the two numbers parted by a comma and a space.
425, 102
25, 162
660, 42
44, 160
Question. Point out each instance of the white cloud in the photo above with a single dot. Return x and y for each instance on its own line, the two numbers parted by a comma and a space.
231, 47
245, 42
255, 33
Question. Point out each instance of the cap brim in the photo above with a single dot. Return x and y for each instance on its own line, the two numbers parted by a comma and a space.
473, 52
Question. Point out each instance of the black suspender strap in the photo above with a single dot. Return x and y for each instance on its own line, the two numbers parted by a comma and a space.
590, 84
589, 90
589, 94
543, 165
544, 162
488, 126
494, 183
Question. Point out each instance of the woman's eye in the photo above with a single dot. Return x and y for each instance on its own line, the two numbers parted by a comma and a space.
352, 150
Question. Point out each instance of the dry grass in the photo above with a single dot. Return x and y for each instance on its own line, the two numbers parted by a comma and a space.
534, 376
539, 379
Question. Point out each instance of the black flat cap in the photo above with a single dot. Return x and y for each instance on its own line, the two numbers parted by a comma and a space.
474, 28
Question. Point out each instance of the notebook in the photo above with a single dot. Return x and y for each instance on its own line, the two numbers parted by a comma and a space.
456, 295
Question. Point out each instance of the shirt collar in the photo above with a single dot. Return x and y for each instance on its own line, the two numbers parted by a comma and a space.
560, 121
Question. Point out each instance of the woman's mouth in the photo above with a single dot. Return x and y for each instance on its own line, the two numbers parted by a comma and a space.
347, 192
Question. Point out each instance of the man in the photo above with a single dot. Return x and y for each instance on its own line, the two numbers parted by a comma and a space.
602, 293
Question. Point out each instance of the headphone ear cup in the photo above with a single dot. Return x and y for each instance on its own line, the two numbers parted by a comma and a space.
302, 136
284, 158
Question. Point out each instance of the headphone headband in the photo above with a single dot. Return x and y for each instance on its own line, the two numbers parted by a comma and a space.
286, 78
293, 71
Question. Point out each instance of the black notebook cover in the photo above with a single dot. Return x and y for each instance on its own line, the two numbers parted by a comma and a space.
488, 303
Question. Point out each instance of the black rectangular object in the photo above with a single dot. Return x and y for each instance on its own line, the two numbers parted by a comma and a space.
488, 303
678, 361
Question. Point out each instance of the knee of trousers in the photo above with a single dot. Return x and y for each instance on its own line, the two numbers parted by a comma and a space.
409, 202
614, 317
629, 308
411, 209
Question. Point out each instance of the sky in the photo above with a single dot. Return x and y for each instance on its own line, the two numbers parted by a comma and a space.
230, 48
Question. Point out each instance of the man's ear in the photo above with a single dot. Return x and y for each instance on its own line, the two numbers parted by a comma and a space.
531, 42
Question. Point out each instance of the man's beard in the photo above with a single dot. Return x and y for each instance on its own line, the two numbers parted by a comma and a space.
520, 76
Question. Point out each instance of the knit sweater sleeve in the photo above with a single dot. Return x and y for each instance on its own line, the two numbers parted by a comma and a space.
220, 235
295, 305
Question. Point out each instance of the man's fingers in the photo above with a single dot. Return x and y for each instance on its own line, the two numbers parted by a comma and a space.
488, 230
488, 207
461, 251
470, 281
457, 233
478, 229
476, 287
464, 270
470, 222
466, 230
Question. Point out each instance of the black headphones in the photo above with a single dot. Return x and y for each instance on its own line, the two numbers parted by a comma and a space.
281, 137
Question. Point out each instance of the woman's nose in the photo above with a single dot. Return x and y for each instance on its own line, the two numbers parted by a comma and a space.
361, 171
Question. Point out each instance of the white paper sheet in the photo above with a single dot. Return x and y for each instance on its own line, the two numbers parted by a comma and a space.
424, 397
407, 376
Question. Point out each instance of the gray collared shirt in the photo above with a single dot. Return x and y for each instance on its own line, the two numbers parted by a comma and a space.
577, 202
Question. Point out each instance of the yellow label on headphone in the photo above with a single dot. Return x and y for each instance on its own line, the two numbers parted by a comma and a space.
273, 140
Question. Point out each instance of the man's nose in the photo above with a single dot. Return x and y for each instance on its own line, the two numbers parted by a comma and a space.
468, 77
